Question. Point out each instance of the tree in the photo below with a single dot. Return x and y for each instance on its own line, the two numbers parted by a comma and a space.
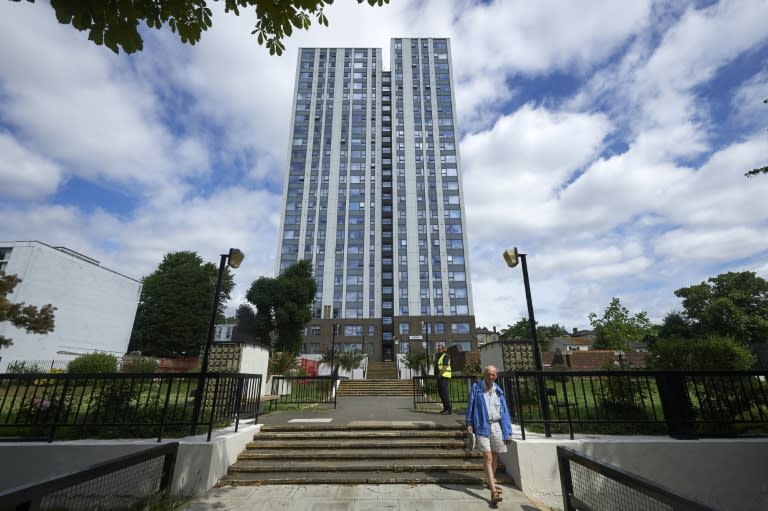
331, 356
115, 24
350, 360
416, 358
761, 170
711, 353
20, 314
246, 320
731, 304
544, 333
283, 306
618, 329
175, 305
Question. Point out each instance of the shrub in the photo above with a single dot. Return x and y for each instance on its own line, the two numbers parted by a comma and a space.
283, 363
93, 363
473, 369
350, 360
712, 353
144, 365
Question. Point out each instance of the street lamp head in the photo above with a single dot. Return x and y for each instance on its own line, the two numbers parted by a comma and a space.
235, 257
510, 256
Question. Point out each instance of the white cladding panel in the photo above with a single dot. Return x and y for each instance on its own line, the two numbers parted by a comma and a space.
95, 307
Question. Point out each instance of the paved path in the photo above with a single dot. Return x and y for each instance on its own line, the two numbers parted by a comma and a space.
394, 497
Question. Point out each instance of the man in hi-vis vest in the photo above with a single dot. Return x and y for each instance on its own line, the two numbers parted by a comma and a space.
443, 375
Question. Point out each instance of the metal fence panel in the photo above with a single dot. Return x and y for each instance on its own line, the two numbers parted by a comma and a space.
298, 390
126, 483
683, 404
50, 406
591, 485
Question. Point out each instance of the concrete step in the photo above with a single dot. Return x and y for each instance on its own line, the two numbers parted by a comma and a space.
368, 454
361, 434
382, 370
412, 476
416, 453
376, 387
355, 465
361, 443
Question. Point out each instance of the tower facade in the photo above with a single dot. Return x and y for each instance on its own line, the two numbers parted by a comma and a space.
373, 198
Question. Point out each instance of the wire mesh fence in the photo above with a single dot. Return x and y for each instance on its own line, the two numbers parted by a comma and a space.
592, 485
126, 483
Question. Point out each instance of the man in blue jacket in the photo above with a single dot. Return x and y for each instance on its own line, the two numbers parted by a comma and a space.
489, 419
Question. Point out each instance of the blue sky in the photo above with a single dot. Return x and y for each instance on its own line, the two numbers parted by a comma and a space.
608, 140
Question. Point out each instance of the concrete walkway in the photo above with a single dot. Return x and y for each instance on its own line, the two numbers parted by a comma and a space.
395, 497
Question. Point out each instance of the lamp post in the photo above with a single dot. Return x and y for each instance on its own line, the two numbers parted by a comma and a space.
512, 257
425, 327
333, 349
235, 257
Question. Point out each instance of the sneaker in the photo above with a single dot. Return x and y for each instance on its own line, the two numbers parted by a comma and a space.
445, 412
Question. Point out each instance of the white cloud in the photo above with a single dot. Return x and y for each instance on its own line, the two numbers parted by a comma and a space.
23, 173
513, 173
630, 187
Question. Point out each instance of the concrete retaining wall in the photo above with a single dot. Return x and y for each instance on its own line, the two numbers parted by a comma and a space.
199, 465
725, 473
728, 473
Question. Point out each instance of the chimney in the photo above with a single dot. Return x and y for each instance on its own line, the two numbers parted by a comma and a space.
575, 332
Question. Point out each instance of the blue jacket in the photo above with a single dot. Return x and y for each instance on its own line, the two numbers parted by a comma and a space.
477, 414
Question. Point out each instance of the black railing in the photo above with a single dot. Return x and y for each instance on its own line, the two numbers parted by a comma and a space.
683, 404
125, 483
425, 390
591, 485
51, 406
302, 390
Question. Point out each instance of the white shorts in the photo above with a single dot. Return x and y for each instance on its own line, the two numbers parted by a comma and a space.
494, 443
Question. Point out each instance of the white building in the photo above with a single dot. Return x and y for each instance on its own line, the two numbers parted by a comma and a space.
95, 306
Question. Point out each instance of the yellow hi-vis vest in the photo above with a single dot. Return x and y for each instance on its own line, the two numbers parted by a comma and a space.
444, 362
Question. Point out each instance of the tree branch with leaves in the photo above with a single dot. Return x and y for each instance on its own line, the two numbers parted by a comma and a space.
115, 23
761, 170
618, 329
21, 315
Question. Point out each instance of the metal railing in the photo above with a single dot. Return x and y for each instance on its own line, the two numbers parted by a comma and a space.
425, 390
125, 483
682, 404
114, 405
300, 390
591, 485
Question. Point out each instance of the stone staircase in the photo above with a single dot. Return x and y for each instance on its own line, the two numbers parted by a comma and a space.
376, 453
381, 371
401, 388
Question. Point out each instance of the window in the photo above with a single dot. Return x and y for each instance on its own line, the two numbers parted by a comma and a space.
459, 328
404, 328
353, 330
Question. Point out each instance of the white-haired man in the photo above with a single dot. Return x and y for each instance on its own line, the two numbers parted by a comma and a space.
489, 419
